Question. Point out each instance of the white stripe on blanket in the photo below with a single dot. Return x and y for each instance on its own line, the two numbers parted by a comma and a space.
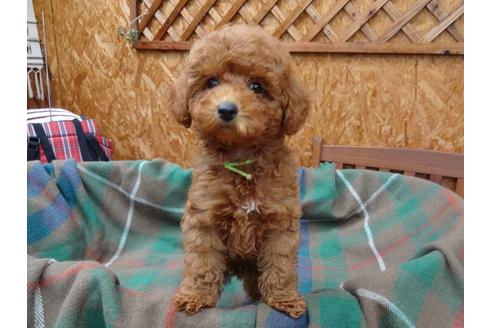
128, 218
38, 309
386, 303
367, 228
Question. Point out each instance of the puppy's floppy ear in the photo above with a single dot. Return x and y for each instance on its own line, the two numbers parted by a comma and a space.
296, 105
178, 96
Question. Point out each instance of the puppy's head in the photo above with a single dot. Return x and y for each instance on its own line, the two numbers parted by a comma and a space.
237, 87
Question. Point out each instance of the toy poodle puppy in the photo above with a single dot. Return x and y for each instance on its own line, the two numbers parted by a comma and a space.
242, 217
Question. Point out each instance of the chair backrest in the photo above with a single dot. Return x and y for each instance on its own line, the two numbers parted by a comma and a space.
446, 169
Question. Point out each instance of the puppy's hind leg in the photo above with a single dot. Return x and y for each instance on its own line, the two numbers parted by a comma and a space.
205, 265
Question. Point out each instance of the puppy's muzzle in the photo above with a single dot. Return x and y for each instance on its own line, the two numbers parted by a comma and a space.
227, 111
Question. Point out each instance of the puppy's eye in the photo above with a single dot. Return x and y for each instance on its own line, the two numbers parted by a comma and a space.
212, 82
256, 87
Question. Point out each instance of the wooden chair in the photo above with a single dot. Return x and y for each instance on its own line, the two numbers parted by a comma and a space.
446, 169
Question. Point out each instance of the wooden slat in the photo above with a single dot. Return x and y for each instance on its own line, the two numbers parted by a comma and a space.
161, 19
460, 187
246, 16
264, 11
325, 19
403, 20
395, 15
339, 44
374, 48
368, 14
339, 166
352, 47
149, 15
279, 15
366, 29
216, 17
148, 34
189, 19
317, 141
435, 178
360, 167
327, 29
384, 170
400, 159
434, 32
409, 173
231, 13
133, 9
170, 19
163, 45
436, 10
197, 19
290, 20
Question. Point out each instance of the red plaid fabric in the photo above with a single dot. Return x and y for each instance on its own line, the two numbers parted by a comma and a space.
64, 142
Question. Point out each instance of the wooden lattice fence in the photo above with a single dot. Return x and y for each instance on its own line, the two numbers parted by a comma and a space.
336, 26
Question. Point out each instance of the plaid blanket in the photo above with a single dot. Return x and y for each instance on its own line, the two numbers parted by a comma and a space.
104, 250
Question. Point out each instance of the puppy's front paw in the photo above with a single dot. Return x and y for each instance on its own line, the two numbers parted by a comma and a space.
293, 307
192, 303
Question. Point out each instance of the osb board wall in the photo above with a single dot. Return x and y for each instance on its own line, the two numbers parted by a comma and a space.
376, 100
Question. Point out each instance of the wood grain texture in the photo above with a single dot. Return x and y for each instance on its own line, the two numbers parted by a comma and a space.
355, 22
442, 168
368, 100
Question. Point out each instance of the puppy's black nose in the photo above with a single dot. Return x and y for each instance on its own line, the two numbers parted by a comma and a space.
227, 111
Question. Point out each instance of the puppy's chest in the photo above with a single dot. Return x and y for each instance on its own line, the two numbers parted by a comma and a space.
243, 232
243, 229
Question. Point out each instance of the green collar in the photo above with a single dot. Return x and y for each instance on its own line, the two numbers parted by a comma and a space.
232, 166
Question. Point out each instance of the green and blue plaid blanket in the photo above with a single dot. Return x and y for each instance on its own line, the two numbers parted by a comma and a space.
104, 250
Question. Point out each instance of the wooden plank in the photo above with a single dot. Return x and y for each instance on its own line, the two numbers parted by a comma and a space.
325, 19
197, 19
293, 31
327, 29
246, 16
291, 19
175, 34
328, 47
403, 20
148, 34
316, 158
366, 29
460, 187
436, 10
214, 14
163, 45
409, 173
368, 14
149, 15
455, 48
133, 12
399, 159
395, 15
434, 32
170, 19
264, 11
172, 31
231, 12
189, 18
435, 178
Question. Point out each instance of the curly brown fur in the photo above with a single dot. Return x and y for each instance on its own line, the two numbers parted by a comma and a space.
220, 235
